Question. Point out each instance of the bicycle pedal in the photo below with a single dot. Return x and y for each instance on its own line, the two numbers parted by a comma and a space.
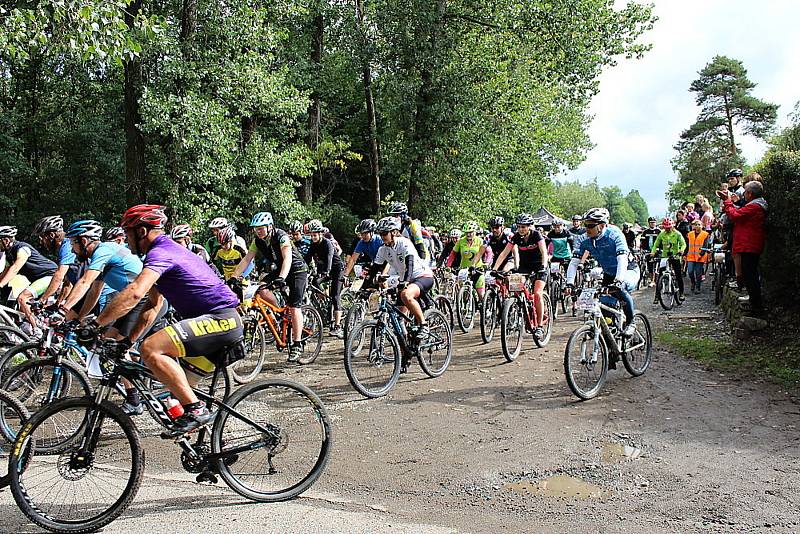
206, 477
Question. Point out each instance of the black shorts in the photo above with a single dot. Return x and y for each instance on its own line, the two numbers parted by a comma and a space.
538, 274
200, 340
127, 322
425, 284
295, 284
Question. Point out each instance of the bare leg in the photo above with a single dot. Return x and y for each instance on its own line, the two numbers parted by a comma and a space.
160, 355
538, 290
409, 297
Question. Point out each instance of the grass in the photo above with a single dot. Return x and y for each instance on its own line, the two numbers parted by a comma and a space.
776, 358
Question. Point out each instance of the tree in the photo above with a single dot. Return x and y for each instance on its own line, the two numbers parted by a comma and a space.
638, 205
618, 208
575, 198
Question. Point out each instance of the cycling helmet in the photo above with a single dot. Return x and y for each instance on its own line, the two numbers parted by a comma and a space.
651, 219
470, 226
225, 235
398, 209
387, 224
86, 228
151, 215
218, 222
496, 221
296, 226
8, 231
367, 225
315, 225
114, 232
626, 226
525, 219
455, 232
181, 231
577, 217
597, 215
54, 223
667, 223
262, 218
326, 230
735, 173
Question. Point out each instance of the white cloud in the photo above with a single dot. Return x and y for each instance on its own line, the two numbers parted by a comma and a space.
644, 105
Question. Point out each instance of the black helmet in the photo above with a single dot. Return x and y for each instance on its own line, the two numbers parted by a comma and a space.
652, 219
367, 225
626, 226
525, 219
735, 173
496, 221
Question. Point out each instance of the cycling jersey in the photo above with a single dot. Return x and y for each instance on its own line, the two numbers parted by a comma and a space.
468, 251
368, 249
189, 285
498, 244
605, 248
230, 259
530, 257
630, 239
648, 237
670, 242
562, 242
271, 251
412, 230
302, 245
65, 256
396, 255
324, 255
35, 267
117, 265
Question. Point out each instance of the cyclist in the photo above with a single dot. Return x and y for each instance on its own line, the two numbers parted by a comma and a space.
51, 235
216, 225
410, 228
670, 241
646, 240
182, 235
300, 241
230, 254
606, 244
416, 279
329, 267
287, 269
470, 248
453, 237
562, 241
117, 235
23, 259
367, 247
533, 260
630, 236
498, 239
577, 228
208, 308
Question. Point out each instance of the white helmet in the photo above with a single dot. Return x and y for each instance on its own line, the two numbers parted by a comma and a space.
218, 222
54, 223
598, 215
455, 232
8, 231
387, 224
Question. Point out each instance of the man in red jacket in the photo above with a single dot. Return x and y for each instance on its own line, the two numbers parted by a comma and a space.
748, 223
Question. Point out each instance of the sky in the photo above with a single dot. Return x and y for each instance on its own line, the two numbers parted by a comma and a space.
644, 105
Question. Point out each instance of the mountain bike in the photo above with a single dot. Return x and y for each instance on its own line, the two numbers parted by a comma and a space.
519, 316
12, 416
378, 350
598, 344
467, 300
719, 272
555, 288
270, 441
495, 293
666, 285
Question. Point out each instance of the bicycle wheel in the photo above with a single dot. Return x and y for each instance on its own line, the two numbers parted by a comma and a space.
12, 416
490, 313
355, 315
17, 355
445, 305
466, 302
11, 336
666, 296
637, 361
553, 293
436, 349
90, 484
547, 322
585, 363
719, 284
286, 459
37, 383
312, 335
372, 359
512, 320
255, 344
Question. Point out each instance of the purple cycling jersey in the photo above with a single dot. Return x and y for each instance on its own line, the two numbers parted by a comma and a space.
186, 280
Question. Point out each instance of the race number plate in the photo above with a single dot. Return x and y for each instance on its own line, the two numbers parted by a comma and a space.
586, 299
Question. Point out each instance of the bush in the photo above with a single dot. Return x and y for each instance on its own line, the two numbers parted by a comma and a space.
781, 172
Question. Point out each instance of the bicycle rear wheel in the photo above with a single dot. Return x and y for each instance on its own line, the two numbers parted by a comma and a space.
585, 363
638, 360
86, 486
283, 458
436, 349
547, 322
12, 416
372, 359
512, 321
312, 335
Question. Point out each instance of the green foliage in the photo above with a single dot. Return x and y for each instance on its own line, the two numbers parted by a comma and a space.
575, 198
639, 206
618, 207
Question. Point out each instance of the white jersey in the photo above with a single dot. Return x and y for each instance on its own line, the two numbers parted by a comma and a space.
396, 256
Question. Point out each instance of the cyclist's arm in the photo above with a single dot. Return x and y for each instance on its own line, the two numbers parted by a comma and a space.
12, 270
240, 268
681, 244
503, 255
572, 269
656, 243
149, 314
286, 264
328, 260
409, 268
479, 256
92, 297
55, 282
544, 253
129, 297
81, 288
351, 261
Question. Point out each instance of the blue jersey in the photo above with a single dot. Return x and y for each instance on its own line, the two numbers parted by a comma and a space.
369, 248
65, 256
605, 248
118, 266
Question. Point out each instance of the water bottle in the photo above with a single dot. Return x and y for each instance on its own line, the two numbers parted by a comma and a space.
174, 408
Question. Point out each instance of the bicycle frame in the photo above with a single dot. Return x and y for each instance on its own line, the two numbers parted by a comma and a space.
267, 312
599, 326
529, 306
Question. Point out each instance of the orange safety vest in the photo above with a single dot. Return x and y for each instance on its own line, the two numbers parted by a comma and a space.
696, 242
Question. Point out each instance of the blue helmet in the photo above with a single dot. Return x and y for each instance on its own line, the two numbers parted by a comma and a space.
85, 228
262, 218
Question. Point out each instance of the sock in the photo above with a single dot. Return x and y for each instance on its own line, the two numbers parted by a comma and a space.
132, 396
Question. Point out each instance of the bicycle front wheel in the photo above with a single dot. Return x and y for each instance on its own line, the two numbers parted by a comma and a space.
275, 441
12, 416
637, 361
445, 305
90, 484
355, 315
466, 302
37, 383
585, 363
17, 355
436, 349
512, 321
312, 335
666, 294
255, 344
490, 313
372, 359
546, 322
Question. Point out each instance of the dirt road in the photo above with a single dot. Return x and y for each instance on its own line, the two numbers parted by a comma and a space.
496, 446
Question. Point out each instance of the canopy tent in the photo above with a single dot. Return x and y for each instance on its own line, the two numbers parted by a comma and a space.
544, 217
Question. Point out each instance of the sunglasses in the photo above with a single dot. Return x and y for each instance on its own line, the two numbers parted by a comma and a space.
384, 233
590, 226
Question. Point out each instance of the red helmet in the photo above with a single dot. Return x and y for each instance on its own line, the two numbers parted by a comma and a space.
667, 223
151, 215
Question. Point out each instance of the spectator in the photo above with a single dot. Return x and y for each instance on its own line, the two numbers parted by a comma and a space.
691, 215
748, 223
696, 257
681, 224
707, 218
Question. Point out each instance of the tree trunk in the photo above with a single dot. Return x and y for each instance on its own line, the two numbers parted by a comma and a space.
372, 123
188, 20
135, 176
314, 111
729, 117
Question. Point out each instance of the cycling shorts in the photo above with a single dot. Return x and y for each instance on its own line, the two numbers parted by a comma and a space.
537, 275
38, 287
200, 340
127, 322
424, 283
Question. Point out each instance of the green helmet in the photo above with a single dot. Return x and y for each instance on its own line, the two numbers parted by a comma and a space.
470, 226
